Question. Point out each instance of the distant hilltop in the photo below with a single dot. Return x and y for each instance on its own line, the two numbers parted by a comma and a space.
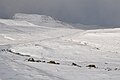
41, 20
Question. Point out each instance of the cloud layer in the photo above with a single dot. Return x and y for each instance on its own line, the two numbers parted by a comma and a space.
93, 12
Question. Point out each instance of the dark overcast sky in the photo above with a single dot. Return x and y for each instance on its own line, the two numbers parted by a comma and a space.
93, 12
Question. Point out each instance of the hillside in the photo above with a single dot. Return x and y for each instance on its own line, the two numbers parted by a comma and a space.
30, 50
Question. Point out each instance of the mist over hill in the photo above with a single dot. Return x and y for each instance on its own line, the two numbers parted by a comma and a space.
89, 12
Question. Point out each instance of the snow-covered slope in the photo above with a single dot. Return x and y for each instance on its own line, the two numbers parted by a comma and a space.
104, 39
58, 53
15, 23
41, 20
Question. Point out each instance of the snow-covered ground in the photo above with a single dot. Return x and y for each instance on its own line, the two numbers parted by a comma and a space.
78, 54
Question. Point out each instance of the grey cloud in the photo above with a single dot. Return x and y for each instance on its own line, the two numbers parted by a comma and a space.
93, 12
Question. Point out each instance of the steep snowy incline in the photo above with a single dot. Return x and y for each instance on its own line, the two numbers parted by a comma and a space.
19, 31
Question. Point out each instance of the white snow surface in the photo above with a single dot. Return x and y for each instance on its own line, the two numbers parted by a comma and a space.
21, 40
16, 23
